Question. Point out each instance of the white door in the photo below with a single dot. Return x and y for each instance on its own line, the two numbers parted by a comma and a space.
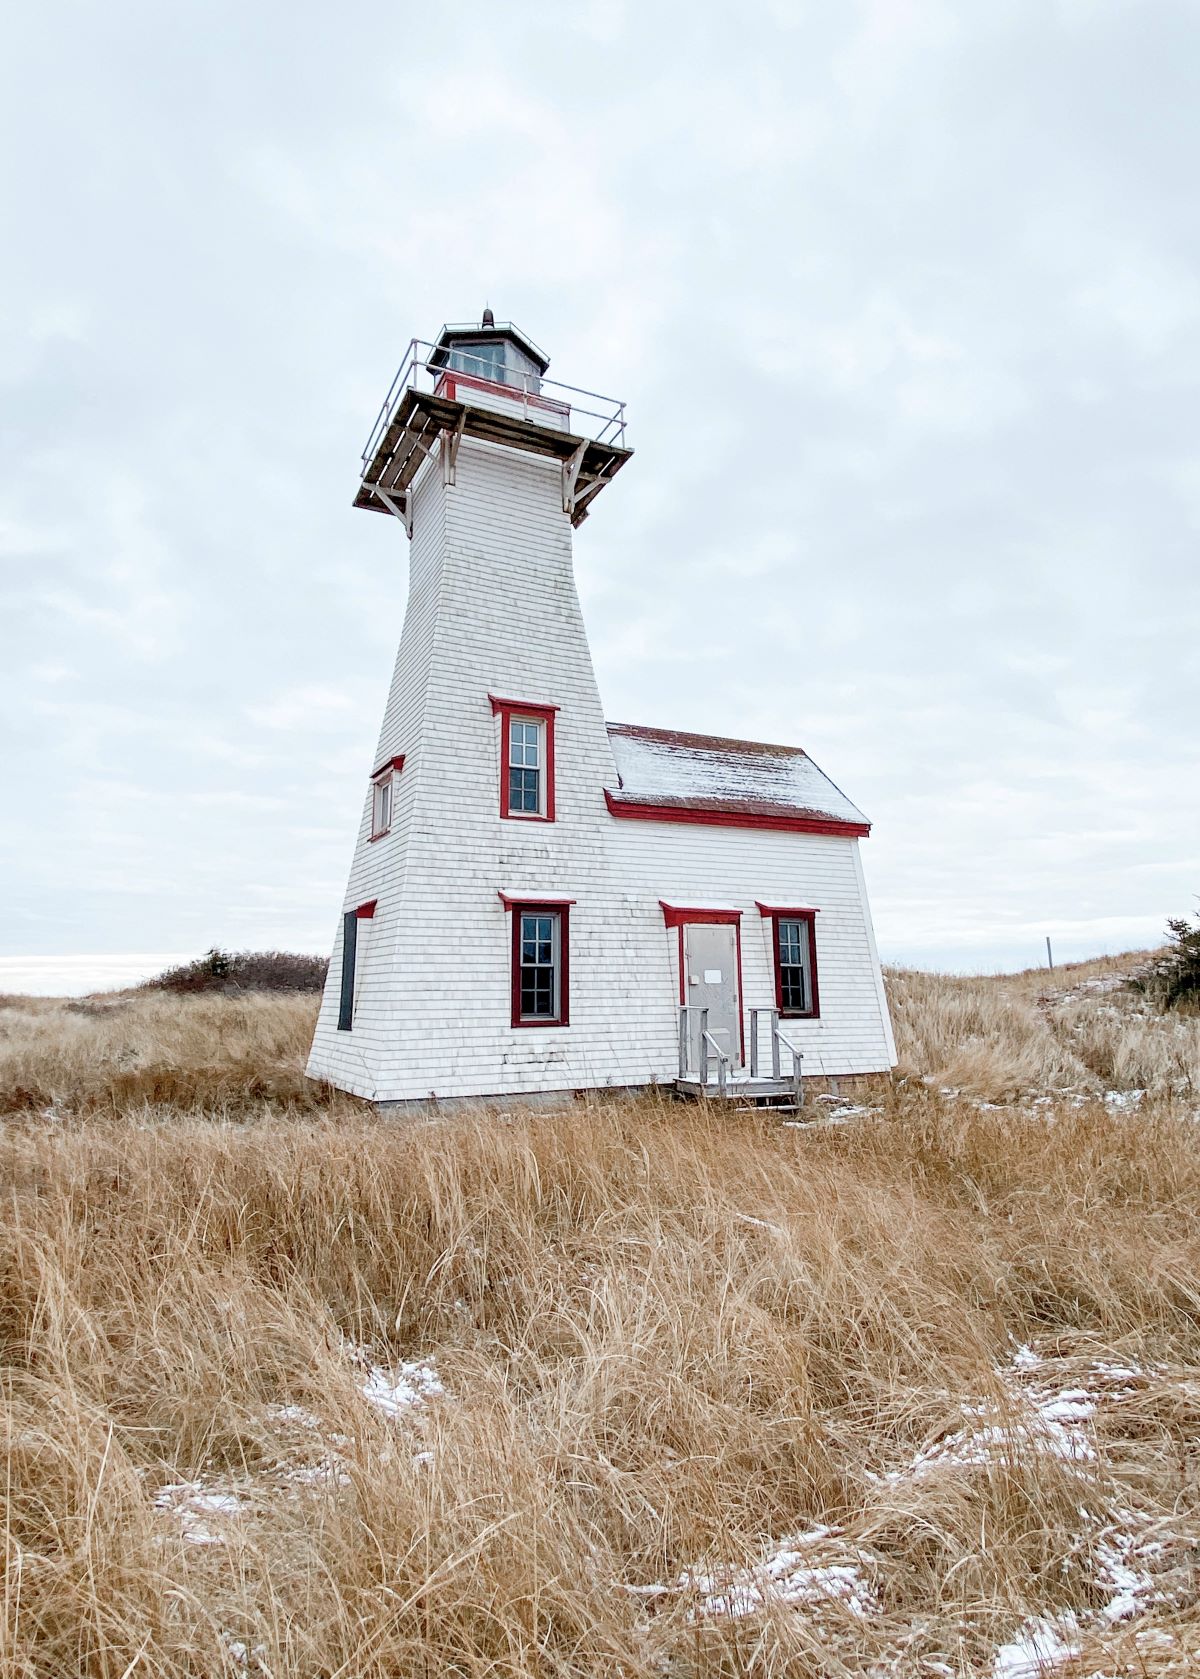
710, 981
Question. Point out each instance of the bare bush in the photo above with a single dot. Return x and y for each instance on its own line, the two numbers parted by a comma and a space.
230, 971
1172, 977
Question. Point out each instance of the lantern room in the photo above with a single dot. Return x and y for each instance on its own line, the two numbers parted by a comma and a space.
496, 355
485, 382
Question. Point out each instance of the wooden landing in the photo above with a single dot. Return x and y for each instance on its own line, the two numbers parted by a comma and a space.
422, 417
739, 1089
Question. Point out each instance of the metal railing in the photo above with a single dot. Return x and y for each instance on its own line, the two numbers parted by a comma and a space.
779, 1039
708, 1045
535, 394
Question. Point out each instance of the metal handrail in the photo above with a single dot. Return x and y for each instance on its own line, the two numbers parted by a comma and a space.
684, 1036
707, 1042
797, 1062
778, 1037
417, 366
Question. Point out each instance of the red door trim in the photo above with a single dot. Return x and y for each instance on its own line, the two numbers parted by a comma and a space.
674, 915
681, 918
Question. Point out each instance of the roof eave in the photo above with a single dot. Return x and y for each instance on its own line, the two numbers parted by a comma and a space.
732, 813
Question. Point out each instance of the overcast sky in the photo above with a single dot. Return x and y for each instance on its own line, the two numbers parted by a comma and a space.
905, 301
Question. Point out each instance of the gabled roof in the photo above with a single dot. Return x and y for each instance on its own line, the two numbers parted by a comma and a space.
671, 776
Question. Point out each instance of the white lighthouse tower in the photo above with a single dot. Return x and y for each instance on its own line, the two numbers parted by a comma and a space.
539, 901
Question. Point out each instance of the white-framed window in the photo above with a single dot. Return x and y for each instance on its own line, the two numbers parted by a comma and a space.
794, 949
526, 759
539, 964
383, 796
526, 766
381, 806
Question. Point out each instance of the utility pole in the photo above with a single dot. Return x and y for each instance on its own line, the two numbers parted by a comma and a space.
1049, 955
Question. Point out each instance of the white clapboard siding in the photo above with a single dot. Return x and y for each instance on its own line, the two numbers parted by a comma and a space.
493, 610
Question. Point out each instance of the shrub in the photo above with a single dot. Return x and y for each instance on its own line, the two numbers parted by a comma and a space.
244, 970
1173, 978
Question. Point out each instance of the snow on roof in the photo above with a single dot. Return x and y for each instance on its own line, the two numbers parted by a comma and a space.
707, 772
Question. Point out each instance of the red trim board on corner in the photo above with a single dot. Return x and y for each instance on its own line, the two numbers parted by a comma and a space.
506, 710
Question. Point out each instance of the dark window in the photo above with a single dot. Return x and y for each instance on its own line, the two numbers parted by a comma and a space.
794, 965
349, 949
539, 966
480, 361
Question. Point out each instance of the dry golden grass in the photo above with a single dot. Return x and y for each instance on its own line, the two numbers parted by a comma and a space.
669, 1340
1078, 1029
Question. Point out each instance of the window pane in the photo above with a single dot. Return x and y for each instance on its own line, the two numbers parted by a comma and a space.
524, 745
482, 361
793, 936
539, 981
524, 790
793, 989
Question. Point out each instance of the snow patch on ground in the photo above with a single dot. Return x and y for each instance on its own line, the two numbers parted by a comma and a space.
815, 1570
1039, 1647
398, 1391
1046, 1407
247, 1658
201, 1511
393, 1391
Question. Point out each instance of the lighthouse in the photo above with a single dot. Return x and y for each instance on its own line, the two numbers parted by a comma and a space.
539, 900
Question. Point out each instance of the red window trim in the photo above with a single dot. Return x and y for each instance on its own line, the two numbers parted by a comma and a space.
774, 915
636, 811
563, 907
390, 767
677, 916
506, 710
366, 912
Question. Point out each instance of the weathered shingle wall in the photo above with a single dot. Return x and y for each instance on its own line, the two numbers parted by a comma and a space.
493, 609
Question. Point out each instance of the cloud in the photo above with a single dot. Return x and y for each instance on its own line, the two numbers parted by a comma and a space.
901, 296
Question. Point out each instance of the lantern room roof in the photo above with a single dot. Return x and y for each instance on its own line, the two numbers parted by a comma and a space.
690, 777
474, 331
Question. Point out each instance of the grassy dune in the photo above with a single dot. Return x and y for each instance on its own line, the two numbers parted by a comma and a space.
634, 1388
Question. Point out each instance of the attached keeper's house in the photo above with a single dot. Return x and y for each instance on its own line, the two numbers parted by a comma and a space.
540, 900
